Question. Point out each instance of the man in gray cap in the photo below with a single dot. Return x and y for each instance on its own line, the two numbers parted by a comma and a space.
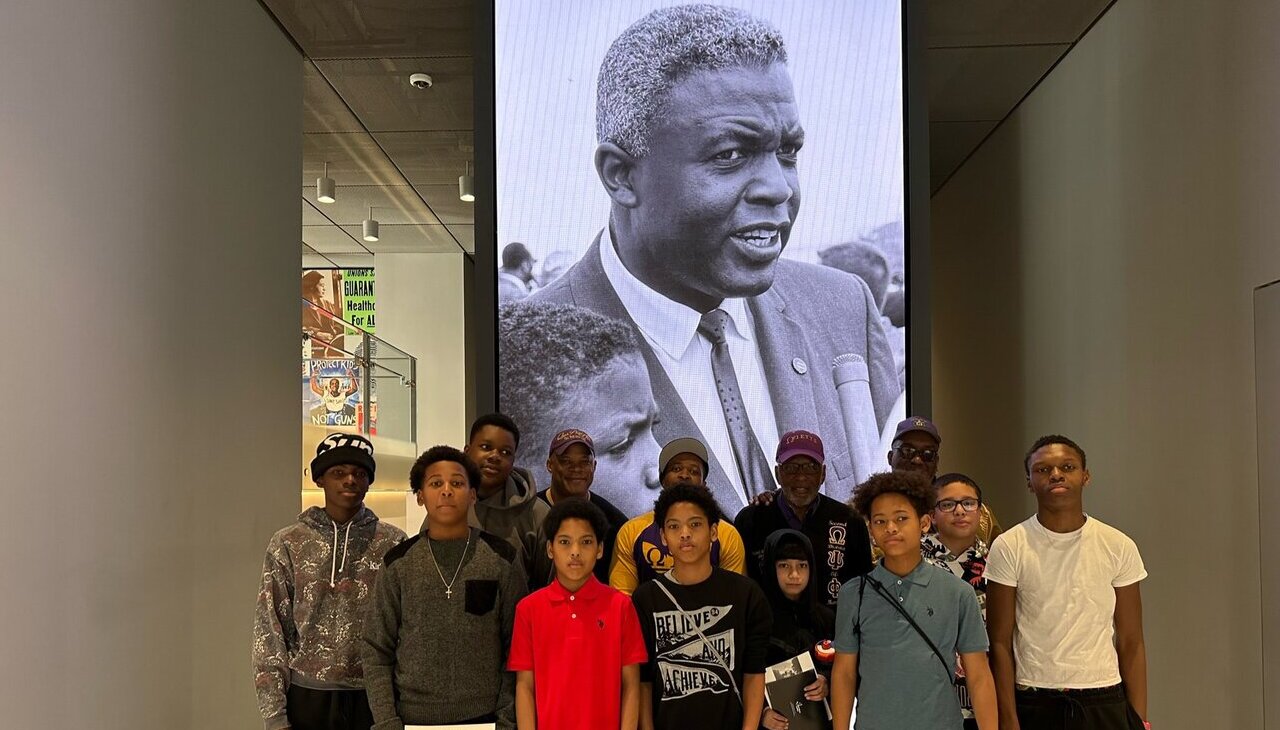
316, 581
639, 553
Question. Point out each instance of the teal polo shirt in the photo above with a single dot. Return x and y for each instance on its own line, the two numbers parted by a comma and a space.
901, 683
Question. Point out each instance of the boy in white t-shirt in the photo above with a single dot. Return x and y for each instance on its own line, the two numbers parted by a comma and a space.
1064, 611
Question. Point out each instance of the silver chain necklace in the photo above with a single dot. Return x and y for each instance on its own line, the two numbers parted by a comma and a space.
448, 584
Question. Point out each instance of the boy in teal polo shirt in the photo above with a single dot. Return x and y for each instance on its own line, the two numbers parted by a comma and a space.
902, 625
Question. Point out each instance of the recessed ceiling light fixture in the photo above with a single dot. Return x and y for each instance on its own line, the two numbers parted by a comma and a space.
326, 190
466, 185
370, 227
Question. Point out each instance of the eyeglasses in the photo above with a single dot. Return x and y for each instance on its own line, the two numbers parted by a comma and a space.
928, 456
807, 467
968, 505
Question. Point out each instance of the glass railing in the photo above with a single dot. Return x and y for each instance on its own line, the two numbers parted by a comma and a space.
354, 381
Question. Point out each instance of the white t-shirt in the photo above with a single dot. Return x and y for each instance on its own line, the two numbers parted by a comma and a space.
1064, 632
334, 403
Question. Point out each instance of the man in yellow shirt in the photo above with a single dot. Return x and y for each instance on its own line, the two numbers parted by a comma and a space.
639, 554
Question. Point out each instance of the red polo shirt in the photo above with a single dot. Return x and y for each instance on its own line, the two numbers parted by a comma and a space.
576, 645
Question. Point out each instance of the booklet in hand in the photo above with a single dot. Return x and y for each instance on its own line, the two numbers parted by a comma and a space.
784, 685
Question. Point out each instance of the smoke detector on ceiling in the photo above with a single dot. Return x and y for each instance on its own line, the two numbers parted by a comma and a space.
420, 81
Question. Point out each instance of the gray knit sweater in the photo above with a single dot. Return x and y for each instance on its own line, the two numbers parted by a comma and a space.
430, 659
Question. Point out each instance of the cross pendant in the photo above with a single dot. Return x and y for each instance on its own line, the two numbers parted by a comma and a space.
448, 593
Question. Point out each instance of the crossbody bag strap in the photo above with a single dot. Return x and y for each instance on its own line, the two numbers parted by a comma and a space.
857, 623
947, 666
706, 642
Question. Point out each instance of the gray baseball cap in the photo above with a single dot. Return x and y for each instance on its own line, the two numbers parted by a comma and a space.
682, 446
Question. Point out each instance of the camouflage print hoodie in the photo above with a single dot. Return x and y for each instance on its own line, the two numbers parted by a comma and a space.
317, 579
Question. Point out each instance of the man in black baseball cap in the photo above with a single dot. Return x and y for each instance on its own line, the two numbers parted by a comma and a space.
316, 581
915, 447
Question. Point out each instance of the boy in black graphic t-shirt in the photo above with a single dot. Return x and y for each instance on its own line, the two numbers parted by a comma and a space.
706, 629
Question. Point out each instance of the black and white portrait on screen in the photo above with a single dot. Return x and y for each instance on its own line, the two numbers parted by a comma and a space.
728, 183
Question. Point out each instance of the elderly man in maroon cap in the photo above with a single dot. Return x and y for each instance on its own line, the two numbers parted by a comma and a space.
841, 548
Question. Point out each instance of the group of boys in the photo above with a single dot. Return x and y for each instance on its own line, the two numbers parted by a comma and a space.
386, 644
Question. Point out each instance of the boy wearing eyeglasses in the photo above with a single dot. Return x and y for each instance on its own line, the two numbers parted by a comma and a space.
1065, 608
955, 545
839, 539
916, 448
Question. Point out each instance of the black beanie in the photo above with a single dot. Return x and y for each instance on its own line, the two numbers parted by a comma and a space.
343, 448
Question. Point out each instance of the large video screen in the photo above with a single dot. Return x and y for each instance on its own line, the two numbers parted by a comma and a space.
700, 233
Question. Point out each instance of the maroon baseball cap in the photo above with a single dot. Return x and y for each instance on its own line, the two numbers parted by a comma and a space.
800, 443
569, 437
916, 423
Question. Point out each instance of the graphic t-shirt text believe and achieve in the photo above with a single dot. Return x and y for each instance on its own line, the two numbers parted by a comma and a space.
690, 685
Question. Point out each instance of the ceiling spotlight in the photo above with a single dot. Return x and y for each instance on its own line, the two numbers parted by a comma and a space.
326, 191
370, 227
466, 185
420, 81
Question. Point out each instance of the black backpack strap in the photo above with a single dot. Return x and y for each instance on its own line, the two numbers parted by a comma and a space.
947, 666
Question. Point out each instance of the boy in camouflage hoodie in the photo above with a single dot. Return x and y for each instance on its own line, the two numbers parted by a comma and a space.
317, 577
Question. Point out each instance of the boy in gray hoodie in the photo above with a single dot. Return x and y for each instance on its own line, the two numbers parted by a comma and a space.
507, 503
316, 579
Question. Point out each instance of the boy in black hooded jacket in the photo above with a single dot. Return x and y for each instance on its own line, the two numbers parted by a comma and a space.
800, 621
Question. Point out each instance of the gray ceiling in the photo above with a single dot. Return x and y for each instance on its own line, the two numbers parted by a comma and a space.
984, 57
389, 145
401, 149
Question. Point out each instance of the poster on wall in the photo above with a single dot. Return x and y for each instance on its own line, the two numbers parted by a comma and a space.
659, 275
357, 298
333, 296
331, 395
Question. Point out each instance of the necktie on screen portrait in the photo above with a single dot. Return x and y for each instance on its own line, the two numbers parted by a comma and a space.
752, 465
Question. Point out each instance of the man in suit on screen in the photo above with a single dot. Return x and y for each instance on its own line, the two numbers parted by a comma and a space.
699, 140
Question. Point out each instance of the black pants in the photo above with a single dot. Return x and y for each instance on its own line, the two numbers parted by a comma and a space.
1105, 708
328, 709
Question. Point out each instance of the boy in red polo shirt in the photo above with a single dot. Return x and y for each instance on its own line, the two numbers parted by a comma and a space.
576, 648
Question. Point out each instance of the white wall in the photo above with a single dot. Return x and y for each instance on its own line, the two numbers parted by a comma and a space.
149, 196
1094, 267
420, 311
